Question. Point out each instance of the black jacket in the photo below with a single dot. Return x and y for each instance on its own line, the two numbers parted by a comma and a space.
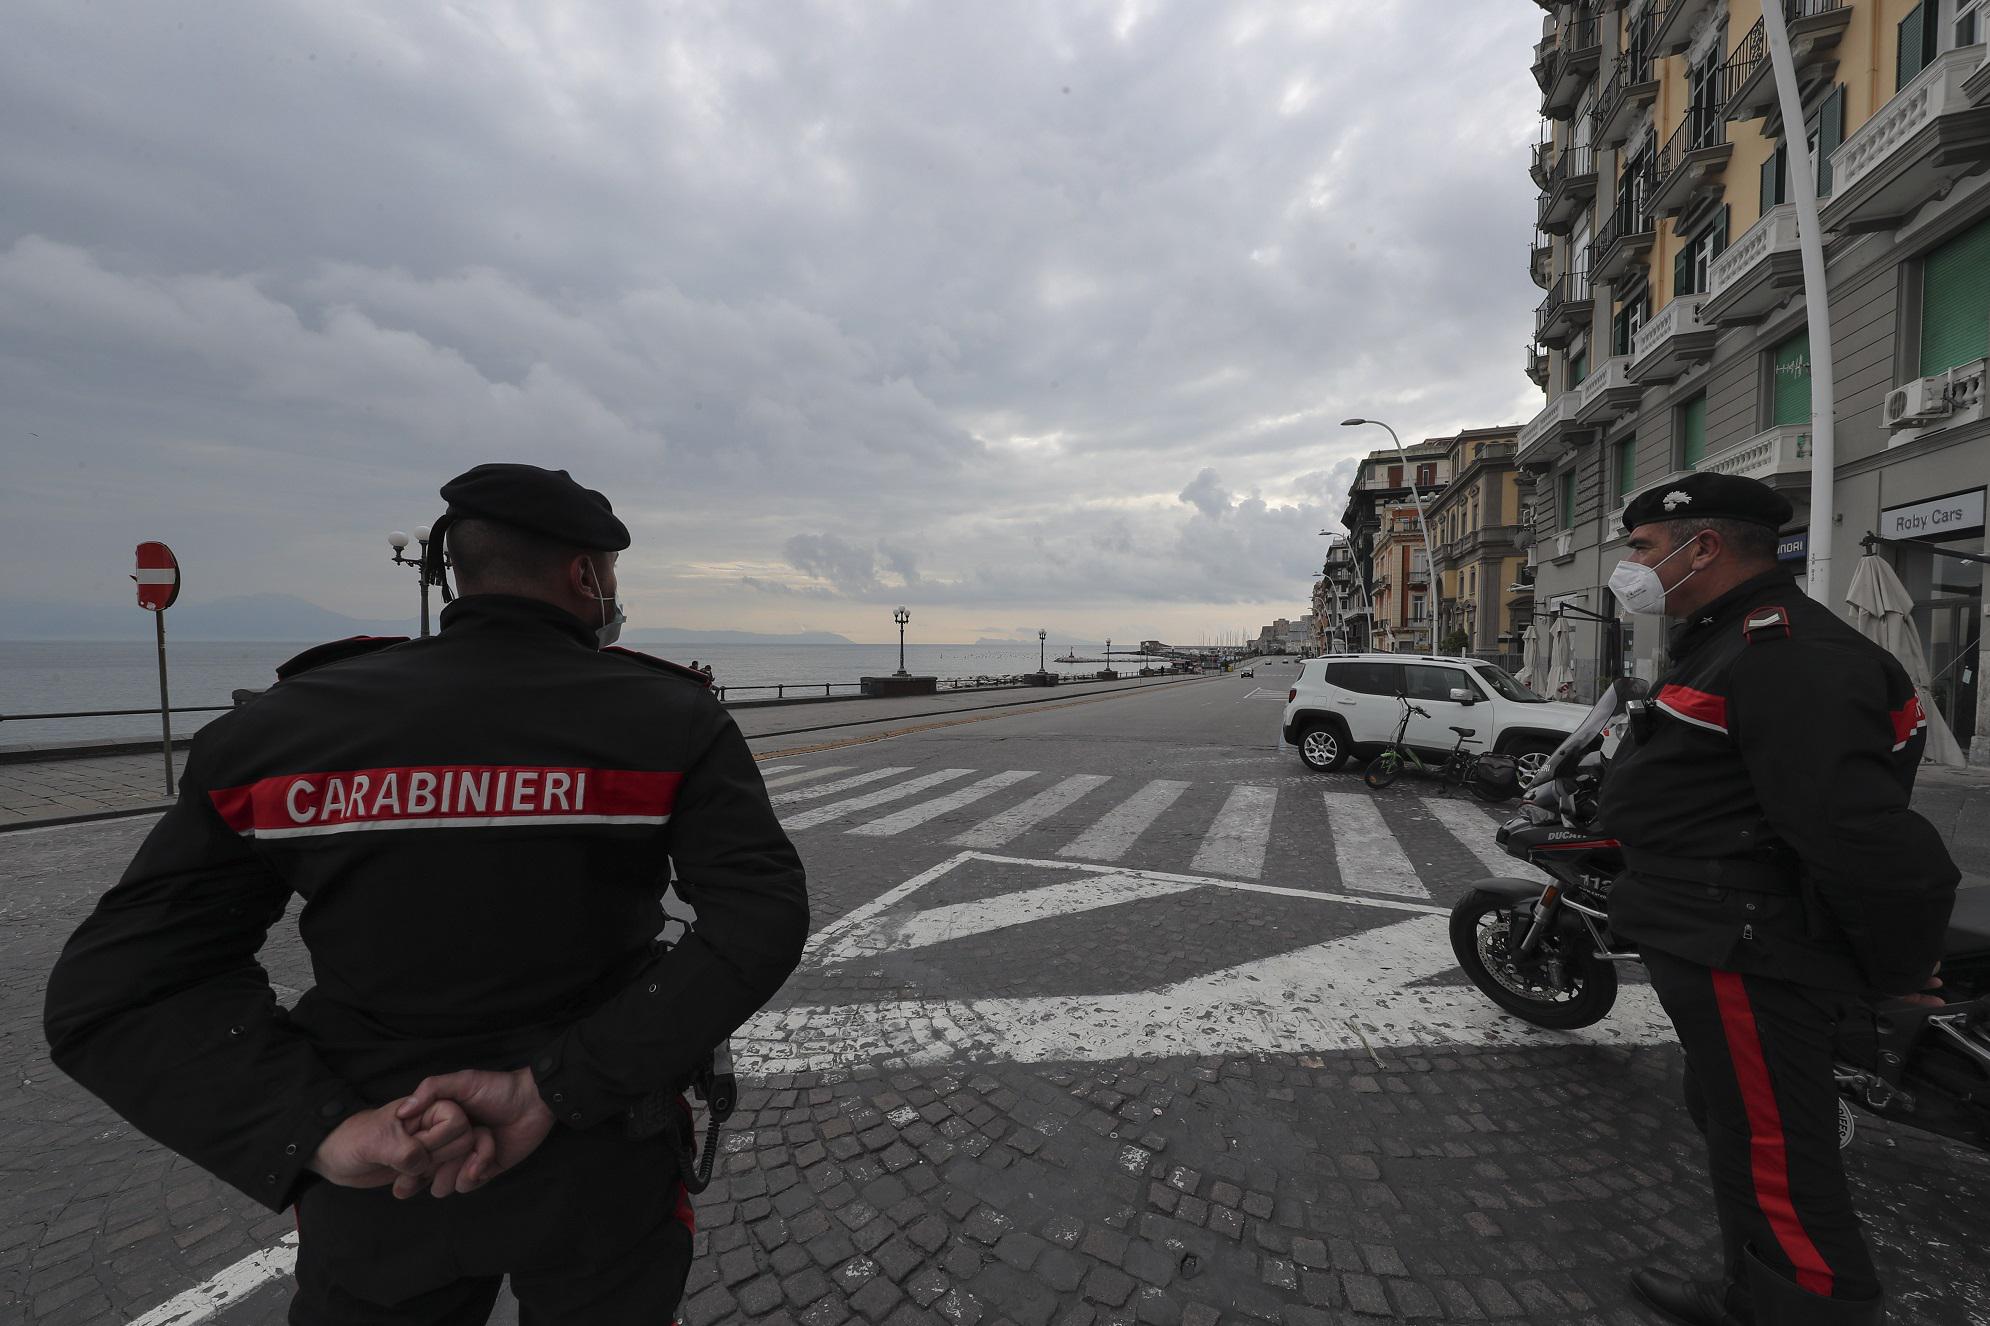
480, 825
1765, 817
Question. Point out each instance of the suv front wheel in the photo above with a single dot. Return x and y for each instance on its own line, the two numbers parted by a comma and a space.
1321, 746
1531, 756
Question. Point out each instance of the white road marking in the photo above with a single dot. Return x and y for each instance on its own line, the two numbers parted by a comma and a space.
1028, 814
840, 785
913, 816
1116, 830
937, 925
1368, 855
226, 1288
804, 776
836, 810
1474, 829
1236, 842
1359, 989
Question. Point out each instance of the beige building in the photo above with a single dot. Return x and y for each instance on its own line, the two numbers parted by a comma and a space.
1673, 337
1475, 523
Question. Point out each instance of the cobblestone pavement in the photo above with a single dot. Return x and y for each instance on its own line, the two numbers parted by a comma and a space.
31, 792
1113, 1014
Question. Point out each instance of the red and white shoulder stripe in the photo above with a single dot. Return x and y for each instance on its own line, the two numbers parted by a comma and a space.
1908, 719
1699, 708
445, 796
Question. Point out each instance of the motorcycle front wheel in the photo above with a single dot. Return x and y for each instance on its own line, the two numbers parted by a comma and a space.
1382, 770
1479, 938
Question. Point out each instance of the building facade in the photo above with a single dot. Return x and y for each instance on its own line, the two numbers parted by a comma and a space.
1389, 563
1673, 334
1475, 523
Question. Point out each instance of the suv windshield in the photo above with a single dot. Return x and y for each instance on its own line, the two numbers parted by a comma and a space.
1503, 682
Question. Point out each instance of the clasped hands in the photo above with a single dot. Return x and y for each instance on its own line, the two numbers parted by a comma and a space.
453, 1134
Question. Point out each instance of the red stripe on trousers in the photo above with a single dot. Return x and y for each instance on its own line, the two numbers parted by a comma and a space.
1768, 1152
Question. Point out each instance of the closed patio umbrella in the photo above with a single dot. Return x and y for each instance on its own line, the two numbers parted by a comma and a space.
1561, 660
1531, 669
1882, 610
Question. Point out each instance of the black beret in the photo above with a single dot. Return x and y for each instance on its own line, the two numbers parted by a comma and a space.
1709, 497
546, 502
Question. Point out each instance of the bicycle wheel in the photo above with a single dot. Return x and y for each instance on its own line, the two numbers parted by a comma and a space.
1382, 770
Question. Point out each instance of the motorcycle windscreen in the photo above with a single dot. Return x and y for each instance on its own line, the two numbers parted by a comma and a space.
1562, 763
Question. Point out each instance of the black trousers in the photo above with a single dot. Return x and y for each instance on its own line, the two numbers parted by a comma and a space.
1759, 1086
593, 1231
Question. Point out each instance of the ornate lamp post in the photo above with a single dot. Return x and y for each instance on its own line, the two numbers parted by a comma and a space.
1041, 636
1108, 653
901, 616
399, 543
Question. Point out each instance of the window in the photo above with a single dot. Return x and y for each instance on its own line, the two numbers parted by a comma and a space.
1705, 103
1693, 264
1395, 476
1624, 328
1625, 468
1955, 301
1969, 19
1790, 381
1426, 476
1431, 681
1578, 367
1366, 678
1502, 681
1416, 607
1919, 32
1567, 499
1693, 433
1824, 130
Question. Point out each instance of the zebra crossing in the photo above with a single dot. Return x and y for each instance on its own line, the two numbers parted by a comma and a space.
1397, 844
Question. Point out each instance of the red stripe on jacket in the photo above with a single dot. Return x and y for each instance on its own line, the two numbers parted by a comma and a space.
1696, 707
1768, 1150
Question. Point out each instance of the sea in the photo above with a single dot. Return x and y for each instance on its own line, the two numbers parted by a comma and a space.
50, 676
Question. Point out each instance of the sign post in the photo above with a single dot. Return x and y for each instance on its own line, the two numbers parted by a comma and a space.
158, 577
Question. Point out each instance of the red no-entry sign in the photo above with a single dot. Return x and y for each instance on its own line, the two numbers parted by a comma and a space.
158, 576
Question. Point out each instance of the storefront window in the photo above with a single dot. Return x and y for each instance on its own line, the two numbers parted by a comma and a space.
1948, 615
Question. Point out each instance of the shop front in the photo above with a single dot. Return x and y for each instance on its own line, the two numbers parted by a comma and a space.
1922, 538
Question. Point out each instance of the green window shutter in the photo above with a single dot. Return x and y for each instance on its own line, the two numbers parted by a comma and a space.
1792, 381
1627, 466
1913, 38
1955, 301
1830, 134
1568, 499
1579, 368
1772, 179
1682, 270
1693, 433
1720, 233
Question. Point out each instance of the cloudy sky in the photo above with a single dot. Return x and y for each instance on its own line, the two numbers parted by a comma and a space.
1018, 314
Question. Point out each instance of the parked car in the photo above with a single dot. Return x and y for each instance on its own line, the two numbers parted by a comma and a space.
1344, 707
1250, 672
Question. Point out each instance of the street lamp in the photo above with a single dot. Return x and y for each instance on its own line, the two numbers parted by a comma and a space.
901, 616
1041, 636
1108, 653
399, 543
1429, 549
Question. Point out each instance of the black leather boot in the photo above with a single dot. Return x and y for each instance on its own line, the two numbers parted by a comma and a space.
1781, 1302
1693, 1302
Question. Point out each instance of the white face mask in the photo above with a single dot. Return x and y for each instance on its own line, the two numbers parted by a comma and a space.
1638, 587
612, 616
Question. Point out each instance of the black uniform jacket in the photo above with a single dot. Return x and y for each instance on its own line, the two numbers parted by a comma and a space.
1765, 816
480, 825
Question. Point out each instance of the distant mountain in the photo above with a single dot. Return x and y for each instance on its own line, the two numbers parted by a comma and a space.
287, 617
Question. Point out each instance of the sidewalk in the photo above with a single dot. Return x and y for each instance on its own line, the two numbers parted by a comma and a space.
65, 791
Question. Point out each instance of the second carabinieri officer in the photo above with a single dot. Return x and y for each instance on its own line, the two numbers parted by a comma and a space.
1775, 875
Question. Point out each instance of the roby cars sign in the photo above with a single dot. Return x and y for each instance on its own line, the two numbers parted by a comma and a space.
1938, 518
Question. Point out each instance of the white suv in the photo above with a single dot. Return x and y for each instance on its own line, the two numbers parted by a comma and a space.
1345, 706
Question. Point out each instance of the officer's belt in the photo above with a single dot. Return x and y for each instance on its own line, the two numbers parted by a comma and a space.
1728, 872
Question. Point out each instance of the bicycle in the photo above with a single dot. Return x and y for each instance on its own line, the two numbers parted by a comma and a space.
1461, 767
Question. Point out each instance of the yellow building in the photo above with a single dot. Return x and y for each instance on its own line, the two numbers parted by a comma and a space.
1475, 523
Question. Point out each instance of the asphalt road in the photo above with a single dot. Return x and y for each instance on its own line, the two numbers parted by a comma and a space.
1113, 1012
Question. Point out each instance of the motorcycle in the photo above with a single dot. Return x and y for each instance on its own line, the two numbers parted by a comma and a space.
1545, 953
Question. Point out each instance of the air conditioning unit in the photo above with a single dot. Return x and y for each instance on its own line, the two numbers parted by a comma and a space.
1921, 401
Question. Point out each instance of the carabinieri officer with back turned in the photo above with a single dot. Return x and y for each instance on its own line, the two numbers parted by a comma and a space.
1775, 875
481, 826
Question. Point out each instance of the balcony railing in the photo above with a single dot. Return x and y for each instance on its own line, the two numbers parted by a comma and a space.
1558, 318
1671, 341
1570, 66
1627, 235
1632, 85
1537, 365
1758, 271
1693, 159
1781, 450
1571, 183
1911, 151
1541, 260
1748, 85
1540, 162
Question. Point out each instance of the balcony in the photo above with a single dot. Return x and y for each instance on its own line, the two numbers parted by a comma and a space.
1539, 162
1607, 393
1622, 243
1537, 366
1541, 260
1689, 169
1627, 96
1779, 457
1671, 342
1913, 150
1570, 67
1566, 310
1748, 83
1757, 273
1672, 31
1550, 431
1571, 185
